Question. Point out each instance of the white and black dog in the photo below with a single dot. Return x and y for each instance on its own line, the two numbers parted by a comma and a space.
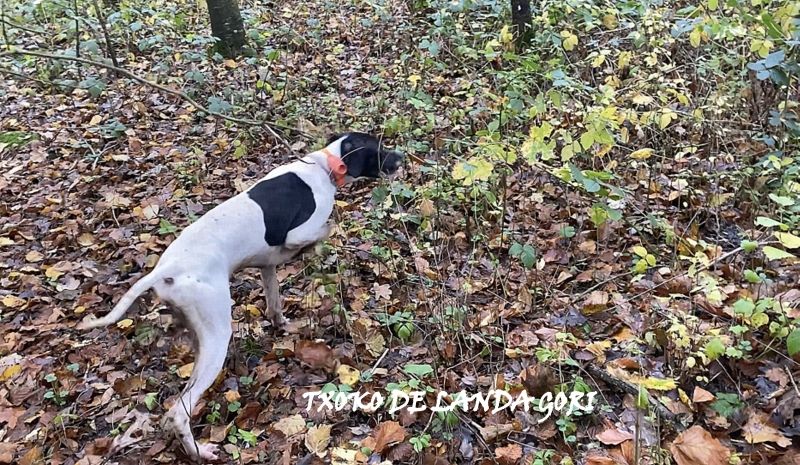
267, 225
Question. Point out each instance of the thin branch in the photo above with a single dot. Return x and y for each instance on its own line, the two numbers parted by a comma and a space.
269, 125
5, 20
25, 77
109, 46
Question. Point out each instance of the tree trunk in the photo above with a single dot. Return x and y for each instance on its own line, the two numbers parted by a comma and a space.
521, 17
226, 26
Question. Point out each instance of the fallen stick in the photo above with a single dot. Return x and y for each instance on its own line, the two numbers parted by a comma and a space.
121, 71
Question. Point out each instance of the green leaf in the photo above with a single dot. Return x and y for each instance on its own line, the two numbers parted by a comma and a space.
759, 319
528, 256
776, 254
248, 437
788, 240
752, 277
726, 404
749, 246
515, 250
151, 400
418, 370
714, 348
782, 200
769, 222
744, 307
793, 342
772, 28
640, 251
566, 232
165, 227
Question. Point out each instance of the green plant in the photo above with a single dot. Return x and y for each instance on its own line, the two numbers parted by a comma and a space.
420, 442
55, 394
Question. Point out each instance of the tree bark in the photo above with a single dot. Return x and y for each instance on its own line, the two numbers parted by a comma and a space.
226, 26
521, 18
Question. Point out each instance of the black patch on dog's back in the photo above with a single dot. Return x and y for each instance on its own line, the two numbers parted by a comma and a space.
287, 202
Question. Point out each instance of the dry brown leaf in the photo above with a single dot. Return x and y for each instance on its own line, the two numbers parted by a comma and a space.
700, 395
491, 432
382, 291
387, 434
613, 436
232, 396
317, 439
596, 459
34, 256
538, 379
7, 451
595, 303
315, 354
696, 446
185, 371
290, 426
32, 457
759, 429
508, 455
12, 301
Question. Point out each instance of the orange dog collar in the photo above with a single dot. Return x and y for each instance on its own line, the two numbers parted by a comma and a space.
337, 167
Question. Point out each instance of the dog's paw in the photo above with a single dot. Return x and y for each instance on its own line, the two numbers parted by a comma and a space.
206, 452
279, 322
86, 323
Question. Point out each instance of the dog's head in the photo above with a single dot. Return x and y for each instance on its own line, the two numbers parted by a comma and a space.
365, 156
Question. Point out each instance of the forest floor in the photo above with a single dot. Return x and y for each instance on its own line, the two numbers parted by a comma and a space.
567, 221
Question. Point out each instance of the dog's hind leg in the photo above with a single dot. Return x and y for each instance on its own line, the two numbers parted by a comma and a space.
207, 309
273, 294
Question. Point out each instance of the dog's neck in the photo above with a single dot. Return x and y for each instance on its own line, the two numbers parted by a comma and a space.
330, 160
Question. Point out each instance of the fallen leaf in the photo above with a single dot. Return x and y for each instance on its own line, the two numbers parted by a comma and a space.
696, 446
700, 395
348, 375
9, 372
315, 354
290, 426
185, 371
382, 291
34, 256
508, 455
387, 434
232, 396
317, 439
596, 459
7, 452
491, 432
596, 302
613, 436
758, 429
32, 457
12, 301
641, 154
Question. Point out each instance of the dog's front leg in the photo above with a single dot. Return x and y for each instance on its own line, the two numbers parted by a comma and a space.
273, 295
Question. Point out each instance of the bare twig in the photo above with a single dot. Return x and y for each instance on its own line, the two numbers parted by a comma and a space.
268, 124
5, 20
109, 46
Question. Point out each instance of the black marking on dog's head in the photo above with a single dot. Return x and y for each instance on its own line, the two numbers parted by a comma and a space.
365, 156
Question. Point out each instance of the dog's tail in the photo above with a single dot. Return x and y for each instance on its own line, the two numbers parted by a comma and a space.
124, 303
